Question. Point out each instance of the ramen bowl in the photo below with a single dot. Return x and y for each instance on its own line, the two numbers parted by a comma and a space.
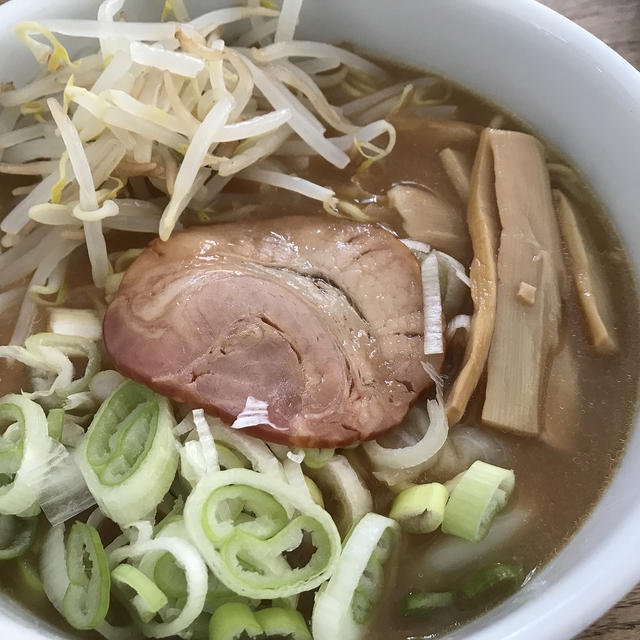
576, 93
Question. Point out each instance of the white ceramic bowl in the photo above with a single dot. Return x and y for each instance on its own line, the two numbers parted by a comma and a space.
578, 94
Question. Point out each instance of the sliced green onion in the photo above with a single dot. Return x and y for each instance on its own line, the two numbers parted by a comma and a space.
21, 454
344, 606
62, 491
421, 604
29, 577
55, 422
53, 566
199, 629
262, 567
86, 600
16, 535
420, 509
229, 459
128, 457
72, 432
295, 477
233, 621
480, 494
149, 599
169, 577
349, 497
228, 507
503, 577
255, 451
195, 574
317, 458
290, 602
104, 383
282, 623
314, 491
218, 594
244, 522
12, 440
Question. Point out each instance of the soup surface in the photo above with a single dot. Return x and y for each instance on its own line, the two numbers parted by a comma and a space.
560, 470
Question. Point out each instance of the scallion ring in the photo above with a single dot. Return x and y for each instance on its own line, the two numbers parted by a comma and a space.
243, 522
128, 456
498, 576
86, 599
148, 598
277, 622
16, 535
232, 621
344, 606
422, 604
480, 494
420, 509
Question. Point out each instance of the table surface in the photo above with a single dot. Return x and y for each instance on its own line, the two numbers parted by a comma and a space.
617, 22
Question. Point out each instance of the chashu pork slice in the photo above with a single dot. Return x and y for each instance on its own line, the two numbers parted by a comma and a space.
321, 319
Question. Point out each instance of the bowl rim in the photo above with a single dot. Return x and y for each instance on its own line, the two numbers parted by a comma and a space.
599, 581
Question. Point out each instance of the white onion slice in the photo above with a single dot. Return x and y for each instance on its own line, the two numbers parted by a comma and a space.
432, 305
254, 450
434, 430
255, 413
85, 323
53, 566
419, 249
207, 444
456, 267
348, 492
295, 477
457, 323
104, 383
62, 491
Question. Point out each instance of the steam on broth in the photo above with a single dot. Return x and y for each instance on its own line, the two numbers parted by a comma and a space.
381, 327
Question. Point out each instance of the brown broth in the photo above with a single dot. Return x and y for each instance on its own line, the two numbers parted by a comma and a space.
608, 385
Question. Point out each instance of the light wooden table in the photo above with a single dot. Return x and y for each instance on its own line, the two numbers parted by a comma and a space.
617, 22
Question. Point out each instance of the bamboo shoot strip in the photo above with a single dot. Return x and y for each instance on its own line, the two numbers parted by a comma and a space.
456, 167
588, 282
432, 220
529, 252
562, 403
482, 218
